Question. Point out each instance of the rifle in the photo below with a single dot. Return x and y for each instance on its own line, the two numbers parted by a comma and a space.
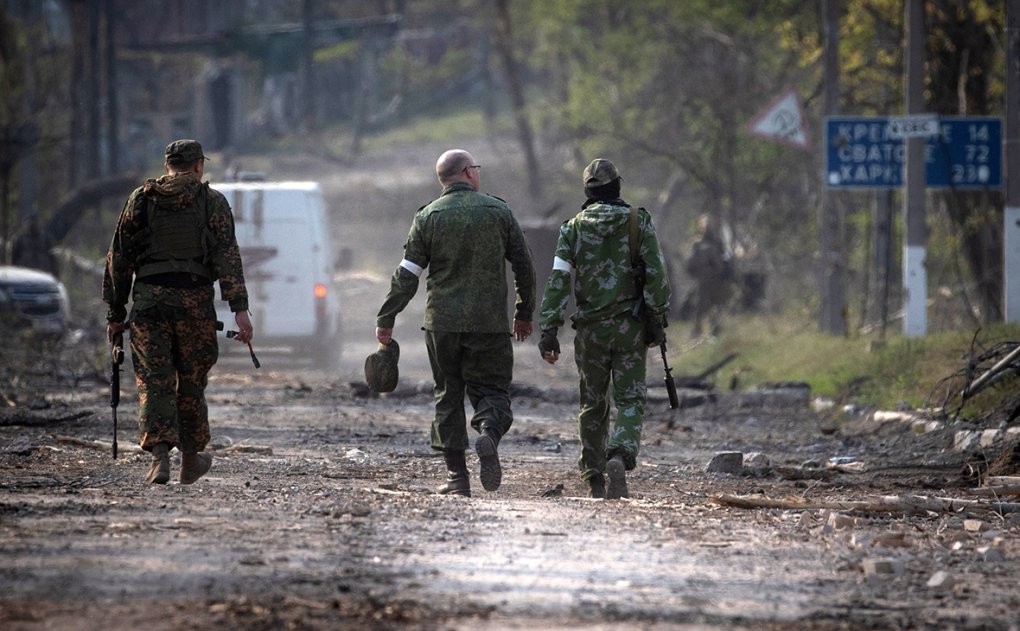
674, 401
639, 272
116, 359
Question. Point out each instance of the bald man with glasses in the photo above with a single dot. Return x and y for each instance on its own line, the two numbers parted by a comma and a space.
465, 238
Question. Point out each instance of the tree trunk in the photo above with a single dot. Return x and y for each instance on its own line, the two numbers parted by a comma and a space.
503, 40
980, 226
69, 212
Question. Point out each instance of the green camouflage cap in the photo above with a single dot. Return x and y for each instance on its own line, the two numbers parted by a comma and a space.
381, 367
184, 151
599, 173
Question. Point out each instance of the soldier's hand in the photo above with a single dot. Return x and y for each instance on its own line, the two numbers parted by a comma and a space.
113, 329
383, 336
549, 346
522, 329
244, 328
655, 331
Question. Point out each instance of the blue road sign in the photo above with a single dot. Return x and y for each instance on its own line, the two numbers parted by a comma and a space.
966, 153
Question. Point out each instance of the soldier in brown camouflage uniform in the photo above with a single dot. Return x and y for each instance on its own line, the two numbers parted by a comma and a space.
174, 237
465, 238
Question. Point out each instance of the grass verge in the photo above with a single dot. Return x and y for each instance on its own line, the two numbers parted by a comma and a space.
857, 370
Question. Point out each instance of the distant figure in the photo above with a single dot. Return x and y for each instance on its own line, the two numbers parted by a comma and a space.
712, 272
465, 239
34, 248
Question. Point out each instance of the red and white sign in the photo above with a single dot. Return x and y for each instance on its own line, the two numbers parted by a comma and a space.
783, 120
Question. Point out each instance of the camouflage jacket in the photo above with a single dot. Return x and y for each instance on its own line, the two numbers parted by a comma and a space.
464, 238
594, 247
129, 244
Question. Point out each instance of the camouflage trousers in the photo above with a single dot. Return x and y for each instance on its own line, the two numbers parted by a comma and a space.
610, 354
478, 364
173, 347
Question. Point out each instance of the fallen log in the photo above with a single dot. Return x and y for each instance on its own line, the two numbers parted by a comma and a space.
904, 504
996, 491
38, 420
1003, 480
96, 444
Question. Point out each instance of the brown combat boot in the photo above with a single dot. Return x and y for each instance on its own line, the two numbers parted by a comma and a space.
194, 466
159, 470
457, 480
617, 473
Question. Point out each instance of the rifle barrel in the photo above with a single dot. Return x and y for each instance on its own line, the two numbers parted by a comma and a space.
116, 358
114, 402
674, 400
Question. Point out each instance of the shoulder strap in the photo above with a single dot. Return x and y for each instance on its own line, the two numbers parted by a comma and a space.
633, 240
203, 202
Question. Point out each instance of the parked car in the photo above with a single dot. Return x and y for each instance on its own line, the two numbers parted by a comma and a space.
284, 236
33, 300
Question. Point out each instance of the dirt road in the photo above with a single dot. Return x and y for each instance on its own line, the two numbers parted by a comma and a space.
319, 513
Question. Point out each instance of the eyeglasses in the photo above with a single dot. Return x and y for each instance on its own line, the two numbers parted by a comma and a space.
473, 166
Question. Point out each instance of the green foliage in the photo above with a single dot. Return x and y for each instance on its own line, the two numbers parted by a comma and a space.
671, 86
871, 57
788, 348
439, 128
341, 51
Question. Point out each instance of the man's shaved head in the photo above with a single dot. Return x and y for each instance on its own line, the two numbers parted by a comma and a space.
450, 166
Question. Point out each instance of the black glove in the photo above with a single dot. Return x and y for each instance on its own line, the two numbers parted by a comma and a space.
549, 343
655, 330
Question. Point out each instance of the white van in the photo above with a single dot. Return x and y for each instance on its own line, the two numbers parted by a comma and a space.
284, 237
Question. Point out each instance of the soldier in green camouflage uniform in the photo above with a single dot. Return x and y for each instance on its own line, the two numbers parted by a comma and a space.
611, 342
174, 237
464, 238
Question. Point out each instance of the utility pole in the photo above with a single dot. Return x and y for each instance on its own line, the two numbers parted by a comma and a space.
1011, 216
915, 251
832, 318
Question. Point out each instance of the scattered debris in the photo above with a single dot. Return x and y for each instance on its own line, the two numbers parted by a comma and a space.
999, 364
846, 464
96, 444
905, 504
882, 565
941, 580
731, 462
555, 491
241, 448
20, 446
38, 420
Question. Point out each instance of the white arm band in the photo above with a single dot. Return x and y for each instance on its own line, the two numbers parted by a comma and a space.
412, 267
563, 266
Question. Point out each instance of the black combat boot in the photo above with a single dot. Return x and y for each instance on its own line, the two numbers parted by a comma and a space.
457, 480
617, 473
597, 486
491, 472
159, 470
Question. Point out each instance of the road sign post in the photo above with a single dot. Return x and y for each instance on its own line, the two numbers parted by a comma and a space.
913, 126
957, 153
868, 152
